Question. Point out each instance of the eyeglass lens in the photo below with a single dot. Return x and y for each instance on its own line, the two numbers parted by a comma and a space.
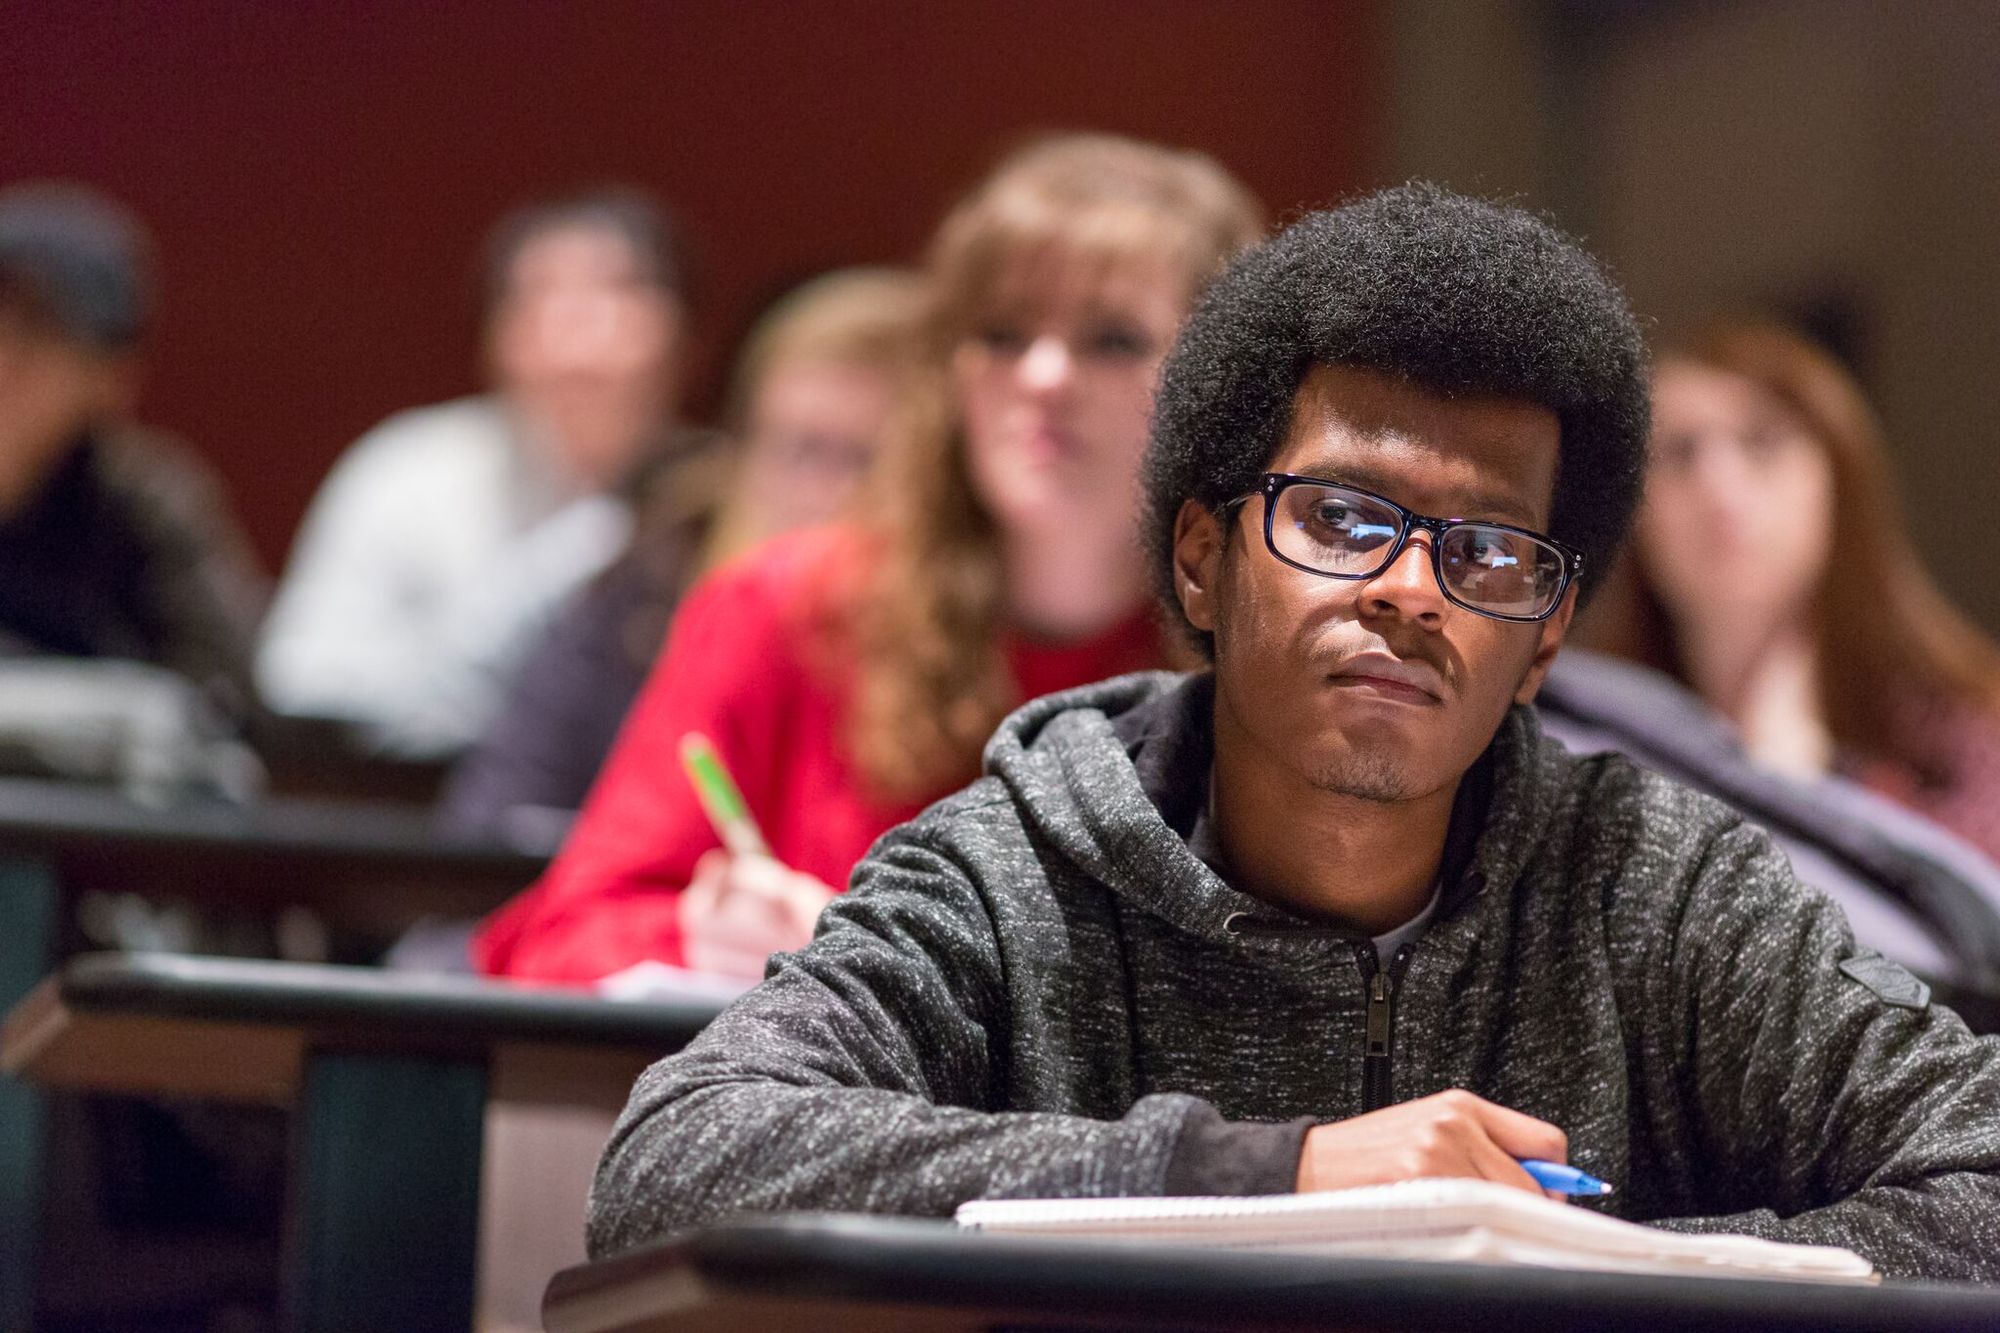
1349, 534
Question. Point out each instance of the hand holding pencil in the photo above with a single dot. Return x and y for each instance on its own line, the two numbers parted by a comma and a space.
742, 905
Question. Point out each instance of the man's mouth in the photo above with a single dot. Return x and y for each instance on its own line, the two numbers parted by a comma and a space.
1392, 677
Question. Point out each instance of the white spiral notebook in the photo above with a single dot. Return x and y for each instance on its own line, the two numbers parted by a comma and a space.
1468, 1221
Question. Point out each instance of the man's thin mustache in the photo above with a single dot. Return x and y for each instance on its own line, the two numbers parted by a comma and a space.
1375, 643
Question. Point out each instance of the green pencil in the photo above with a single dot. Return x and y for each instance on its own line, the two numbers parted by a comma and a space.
720, 799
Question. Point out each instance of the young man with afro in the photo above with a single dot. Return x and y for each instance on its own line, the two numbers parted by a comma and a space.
1334, 912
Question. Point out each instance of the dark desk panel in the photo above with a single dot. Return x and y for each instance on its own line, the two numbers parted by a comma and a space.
838, 1272
324, 756
374, 863
241, 1030
388, 1077
369, 869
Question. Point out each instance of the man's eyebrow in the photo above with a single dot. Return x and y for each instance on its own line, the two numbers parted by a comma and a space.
1491, 505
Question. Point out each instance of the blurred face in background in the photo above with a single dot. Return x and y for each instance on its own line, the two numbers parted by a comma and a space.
1738, 516
585, 347
1055, 386
813, 427
51, 388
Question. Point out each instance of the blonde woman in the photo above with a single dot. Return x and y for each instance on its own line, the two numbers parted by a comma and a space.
850, 674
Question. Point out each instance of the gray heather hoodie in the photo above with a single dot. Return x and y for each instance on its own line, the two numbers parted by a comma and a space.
1036, 989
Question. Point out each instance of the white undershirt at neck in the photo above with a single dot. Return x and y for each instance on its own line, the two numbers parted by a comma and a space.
1387, 943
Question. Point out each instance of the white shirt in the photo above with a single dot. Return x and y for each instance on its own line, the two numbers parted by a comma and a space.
1387, 943
435, 549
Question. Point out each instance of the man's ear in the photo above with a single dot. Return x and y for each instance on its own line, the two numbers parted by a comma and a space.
1553, 630
1198, 542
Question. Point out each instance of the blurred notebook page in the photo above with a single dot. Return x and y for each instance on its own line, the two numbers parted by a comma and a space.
1469, 1221
663, 981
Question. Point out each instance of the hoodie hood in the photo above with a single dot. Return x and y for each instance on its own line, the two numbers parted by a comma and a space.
1112, 776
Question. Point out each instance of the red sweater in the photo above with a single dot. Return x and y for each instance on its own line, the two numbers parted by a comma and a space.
738, 666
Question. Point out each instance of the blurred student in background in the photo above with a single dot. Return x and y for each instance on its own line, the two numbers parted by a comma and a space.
115, 543
811, 398
443, 538
1776, 579
808, 404
851, 674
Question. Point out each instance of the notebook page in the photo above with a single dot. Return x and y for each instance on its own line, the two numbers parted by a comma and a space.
1468, 1220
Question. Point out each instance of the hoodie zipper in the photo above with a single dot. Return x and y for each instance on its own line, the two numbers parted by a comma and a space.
1378, 984
1378, 1053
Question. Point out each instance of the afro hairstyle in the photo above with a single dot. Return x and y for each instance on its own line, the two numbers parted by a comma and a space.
1452, 294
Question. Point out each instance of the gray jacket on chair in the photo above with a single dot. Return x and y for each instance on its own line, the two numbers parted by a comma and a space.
1037, 989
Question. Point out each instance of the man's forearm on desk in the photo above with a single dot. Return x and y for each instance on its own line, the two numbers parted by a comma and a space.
1945, 1229
694, 1155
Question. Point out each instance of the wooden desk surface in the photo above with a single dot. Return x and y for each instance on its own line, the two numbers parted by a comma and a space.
236, 1030
833, 1272
354, 859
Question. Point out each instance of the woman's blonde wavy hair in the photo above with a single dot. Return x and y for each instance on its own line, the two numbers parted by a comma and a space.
925, 631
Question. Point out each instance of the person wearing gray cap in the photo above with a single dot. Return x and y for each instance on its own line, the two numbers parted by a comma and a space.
115, 543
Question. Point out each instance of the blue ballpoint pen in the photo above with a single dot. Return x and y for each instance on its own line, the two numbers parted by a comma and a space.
1563, 1179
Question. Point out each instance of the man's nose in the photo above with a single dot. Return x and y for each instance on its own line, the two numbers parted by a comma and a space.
1047, 364
1408, 586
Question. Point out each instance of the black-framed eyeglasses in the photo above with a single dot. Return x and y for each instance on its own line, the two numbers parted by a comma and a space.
1343, 532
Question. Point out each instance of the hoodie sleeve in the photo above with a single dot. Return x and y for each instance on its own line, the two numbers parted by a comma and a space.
1825, 1086
861, 1076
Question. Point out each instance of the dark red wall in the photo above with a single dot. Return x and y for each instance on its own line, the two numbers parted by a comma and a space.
319, 175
